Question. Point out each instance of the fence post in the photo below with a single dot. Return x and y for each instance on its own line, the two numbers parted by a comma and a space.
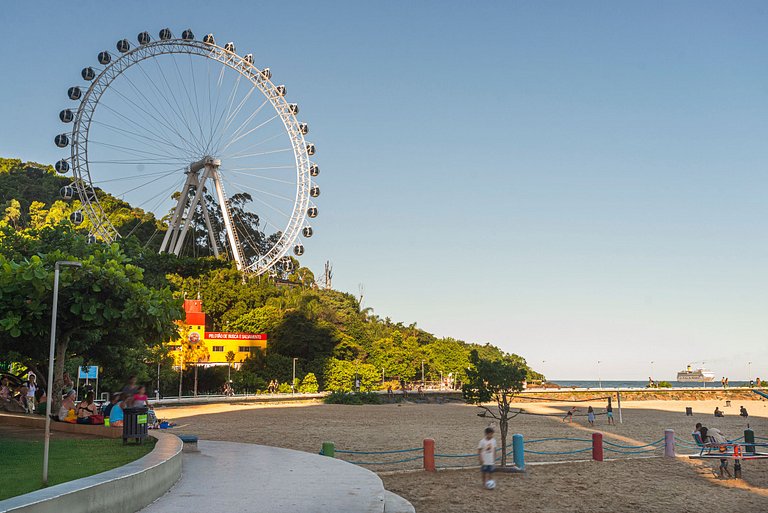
669, 443
597, 446
429, 455
518, 451
749, 441
329, 449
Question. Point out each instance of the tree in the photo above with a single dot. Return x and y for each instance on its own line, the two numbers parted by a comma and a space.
105, 310
193, 351
340, 376
230, 357
495, 381
13, 213
309, 384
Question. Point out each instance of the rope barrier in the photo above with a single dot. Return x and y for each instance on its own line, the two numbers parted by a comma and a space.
558, 452
557, 440
630, 452
660, 440
384, 462
380, 452
607, 445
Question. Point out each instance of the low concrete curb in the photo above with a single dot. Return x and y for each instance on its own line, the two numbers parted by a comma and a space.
125, 489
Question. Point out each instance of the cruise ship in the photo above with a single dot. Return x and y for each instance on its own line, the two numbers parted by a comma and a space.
696, 376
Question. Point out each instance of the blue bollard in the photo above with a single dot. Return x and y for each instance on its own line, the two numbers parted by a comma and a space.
518, 451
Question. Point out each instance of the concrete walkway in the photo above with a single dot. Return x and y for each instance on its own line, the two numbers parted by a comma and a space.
235, 477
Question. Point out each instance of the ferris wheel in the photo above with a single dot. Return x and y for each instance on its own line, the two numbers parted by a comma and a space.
197, 135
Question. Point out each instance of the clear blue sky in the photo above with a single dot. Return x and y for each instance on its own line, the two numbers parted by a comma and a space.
571, 181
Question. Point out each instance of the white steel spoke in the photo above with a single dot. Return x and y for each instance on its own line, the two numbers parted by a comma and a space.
234, 140
262, 153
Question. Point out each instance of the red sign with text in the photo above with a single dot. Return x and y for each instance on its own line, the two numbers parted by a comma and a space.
216, 335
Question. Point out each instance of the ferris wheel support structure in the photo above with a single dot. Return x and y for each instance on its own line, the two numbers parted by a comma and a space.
173, 241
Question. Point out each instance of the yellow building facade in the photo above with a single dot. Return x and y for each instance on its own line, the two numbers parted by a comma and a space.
212, 347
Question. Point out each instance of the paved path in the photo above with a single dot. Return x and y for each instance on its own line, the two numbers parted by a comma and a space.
234, 477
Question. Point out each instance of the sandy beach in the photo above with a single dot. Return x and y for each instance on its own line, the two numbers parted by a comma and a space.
626, 483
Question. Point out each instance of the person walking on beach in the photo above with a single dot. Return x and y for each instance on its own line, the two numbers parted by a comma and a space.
591, 416
609, 414
486, 451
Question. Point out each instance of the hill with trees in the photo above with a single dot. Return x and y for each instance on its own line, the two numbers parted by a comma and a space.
119, 311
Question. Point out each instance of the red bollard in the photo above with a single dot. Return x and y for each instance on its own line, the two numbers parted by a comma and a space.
597, 446
429, 455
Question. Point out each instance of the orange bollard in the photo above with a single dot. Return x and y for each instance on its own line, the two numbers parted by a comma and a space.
429, 455
597, 446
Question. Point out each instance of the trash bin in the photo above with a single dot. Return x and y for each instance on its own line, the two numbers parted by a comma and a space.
135, 424
688, 411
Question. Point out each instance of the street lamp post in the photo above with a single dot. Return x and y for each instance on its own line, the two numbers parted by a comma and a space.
293, 382
599, 381
49, 400
422, 373
651, 376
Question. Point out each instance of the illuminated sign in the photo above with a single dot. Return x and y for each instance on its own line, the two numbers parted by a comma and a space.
216, 335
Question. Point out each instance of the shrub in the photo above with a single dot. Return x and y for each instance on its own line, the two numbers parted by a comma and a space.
664, 384
284, 388
395, 384
354, 398
340, 375
245, 380
309, 384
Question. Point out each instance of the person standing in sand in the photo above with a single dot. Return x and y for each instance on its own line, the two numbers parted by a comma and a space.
486, 451
591, 416
609, 414
569, 415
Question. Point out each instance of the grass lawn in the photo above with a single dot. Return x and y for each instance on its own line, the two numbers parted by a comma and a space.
68, 459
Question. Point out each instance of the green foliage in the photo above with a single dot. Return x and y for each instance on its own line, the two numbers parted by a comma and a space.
105, 311
664, 384
309, 384
352, 398
244, 380
284, 388
340, 376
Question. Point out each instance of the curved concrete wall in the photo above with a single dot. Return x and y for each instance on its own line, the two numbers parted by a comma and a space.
125, 489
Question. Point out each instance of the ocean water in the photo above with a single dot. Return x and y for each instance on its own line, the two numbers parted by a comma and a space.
637, 384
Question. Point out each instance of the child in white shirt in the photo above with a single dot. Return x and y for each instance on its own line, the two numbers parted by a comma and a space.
486, 451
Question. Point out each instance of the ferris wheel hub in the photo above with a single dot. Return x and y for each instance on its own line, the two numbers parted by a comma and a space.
194, 167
